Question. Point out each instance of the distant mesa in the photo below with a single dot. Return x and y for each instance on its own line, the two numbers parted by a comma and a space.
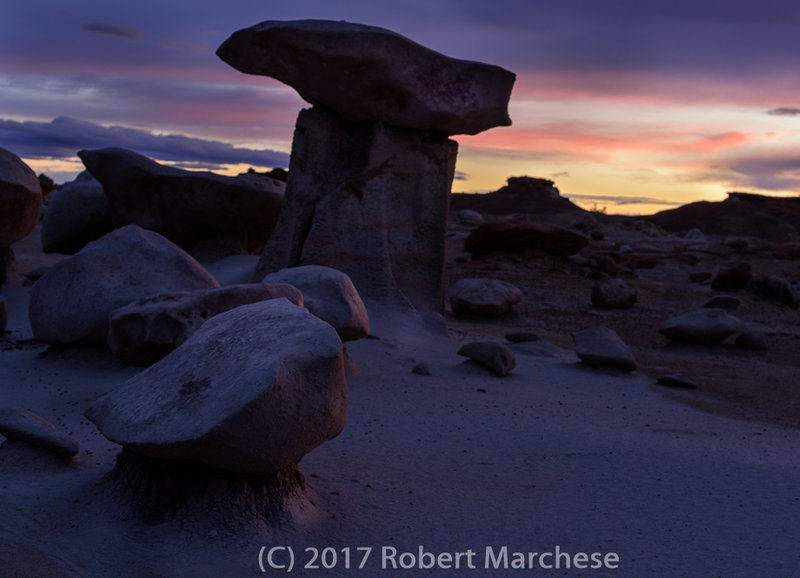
521, 195
368, 74
744, 214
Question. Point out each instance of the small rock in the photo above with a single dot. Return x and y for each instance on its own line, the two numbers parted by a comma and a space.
600, 345
421, 369
485, 297
700, 276
726, 302
494, 356
694, 234
701, 326
751, 339
470, 217
613, 294
676, 380
732, 278
21, 424
522, 337
774, 289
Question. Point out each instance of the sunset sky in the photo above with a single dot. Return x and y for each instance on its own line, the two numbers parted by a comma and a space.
635, 106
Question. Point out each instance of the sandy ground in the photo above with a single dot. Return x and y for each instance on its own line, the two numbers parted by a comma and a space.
553, 455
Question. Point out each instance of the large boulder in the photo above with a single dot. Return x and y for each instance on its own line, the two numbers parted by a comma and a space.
187, 207
20, 199
485, 297
77, 213
330, 295
371, 201
366, 74
71, 303
146, 330
253, 390
520, 234
706, 325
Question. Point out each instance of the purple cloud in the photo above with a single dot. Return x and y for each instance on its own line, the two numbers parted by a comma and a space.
784, 111
115, 30
64, 136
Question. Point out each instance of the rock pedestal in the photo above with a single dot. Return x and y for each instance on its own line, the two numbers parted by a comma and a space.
370, 200
371, 165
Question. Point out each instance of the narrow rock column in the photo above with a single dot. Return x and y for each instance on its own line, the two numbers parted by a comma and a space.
370, 200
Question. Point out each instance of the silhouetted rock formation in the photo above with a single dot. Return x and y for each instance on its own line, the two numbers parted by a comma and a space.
775, 218
368, 74
518, 235
522, 195
371, 165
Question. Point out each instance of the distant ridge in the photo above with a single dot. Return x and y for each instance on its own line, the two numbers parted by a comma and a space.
749, 214
521, 195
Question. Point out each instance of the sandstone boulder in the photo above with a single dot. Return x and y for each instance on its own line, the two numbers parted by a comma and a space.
187, 207
21, 424
77, 213
71, 303
707, 325
732, 278
470, 217
146, 330
496, 357
253, 390
520, 234
599, 346
485, 297
367, 74
330, 295
612, 293
20, 199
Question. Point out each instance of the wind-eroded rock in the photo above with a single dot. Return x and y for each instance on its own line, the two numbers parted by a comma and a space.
367, 74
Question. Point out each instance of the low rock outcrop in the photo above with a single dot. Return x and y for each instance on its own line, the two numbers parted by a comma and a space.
517, 235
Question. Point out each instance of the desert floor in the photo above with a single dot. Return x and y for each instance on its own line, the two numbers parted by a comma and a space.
675, 483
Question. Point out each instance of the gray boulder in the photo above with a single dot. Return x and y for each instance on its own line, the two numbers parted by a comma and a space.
20, 199
707, 325
21, 424
187, 207
71, 303
330, 295
77, 213
146, 330
599, 345
496, 357
485, 297
367, 74
253, 390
